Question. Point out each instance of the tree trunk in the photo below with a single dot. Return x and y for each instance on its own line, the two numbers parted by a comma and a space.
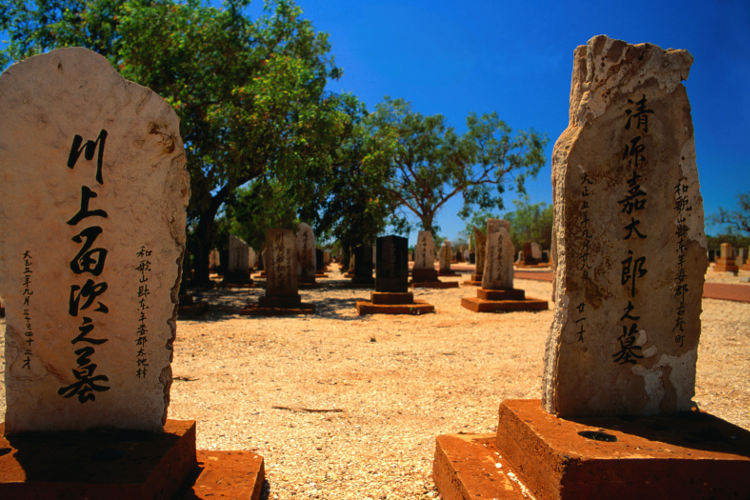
204, 237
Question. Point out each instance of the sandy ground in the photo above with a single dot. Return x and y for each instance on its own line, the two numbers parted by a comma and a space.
343, 406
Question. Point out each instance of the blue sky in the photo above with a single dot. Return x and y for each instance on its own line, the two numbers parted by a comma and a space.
516, 58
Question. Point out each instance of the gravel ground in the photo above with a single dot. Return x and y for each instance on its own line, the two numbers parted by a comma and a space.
342, 406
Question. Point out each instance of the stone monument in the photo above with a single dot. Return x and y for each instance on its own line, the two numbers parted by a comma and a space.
320, 264
391, 295
726, 261
214, 262
479, 253
630, 257
305, 254
445, 256
282, 283
424, 274
92, 204
746, 265
238, 265
362, 274
497, 293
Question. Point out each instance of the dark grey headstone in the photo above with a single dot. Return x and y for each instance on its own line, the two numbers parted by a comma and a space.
320, 264
363, 265
392, 266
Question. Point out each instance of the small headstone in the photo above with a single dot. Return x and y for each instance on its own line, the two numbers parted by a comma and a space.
424, 258
92, 206
320, 263
480, 238
282, 284
251, 257
305, 253
238, 267
629, 233
536, 251
392, 268
326, 257
214, 263
446, 255
363, 265
498, 262
727, 261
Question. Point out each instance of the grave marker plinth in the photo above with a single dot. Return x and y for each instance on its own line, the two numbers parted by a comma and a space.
92, 204
726, 261
391, 281
424, 274
497, 293
616, 418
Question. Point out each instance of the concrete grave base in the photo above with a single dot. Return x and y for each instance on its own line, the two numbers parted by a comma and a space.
393, 303
690, 455
472, 282
424, 275
434, 284
114, 464
725, 266
502, 301
745, 266
531, 265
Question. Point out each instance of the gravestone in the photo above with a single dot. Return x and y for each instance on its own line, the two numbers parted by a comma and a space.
92, 205
424, 259
305, 254
628, 293
363, 265
251, 258
496, 293
726, 261
741, 257
326, 257
391, 295
282, 282
536, 251
214, 263
445, 255
746, 265
320, 263
238, 266
629, 257
498, 259
479, 247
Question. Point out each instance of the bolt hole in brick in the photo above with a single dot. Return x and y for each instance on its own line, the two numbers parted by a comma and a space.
598, 436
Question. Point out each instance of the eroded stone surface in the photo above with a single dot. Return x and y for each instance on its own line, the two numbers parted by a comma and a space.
238, 265
480, 242
424, 252
391, 266
280, 255
498, 261
306, 253
445, 256
92, 242
630, 251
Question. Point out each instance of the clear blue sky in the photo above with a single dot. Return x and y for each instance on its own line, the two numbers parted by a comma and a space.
516, 58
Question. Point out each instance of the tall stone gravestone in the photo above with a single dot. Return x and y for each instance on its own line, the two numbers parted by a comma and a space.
445, 257
391, 295
424, 259
238, 265
363, 265
629, 255
282, 279
306, 254
252, 258
726, 261
746, 265
92, 206
628, 228
497, 293
479, 253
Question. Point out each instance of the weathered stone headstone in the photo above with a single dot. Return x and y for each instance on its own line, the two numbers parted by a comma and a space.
629, 224
445, 257
238, 266
305, 253
320, 263
214, 263
498, 261
326, 257
251, 257
536, 251
363, 265
92, 206
726, 261
391, 266
424, 258
479, 246
282, 284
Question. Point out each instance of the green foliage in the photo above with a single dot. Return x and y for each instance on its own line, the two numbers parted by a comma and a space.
429, 163
249, 93
530, 222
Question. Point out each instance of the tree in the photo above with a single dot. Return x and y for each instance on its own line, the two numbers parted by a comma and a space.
430, 163
735, 220
530, 222
247, 92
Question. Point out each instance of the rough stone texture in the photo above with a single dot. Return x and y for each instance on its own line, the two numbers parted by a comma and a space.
424, 259
213, 260
391, 267
480, 239
630, 249
498, 259
251, 257
238, 265
445, 257
143, 188
281, 269
536, 251
306, 253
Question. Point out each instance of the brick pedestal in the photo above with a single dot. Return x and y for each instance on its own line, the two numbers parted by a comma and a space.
506, 300
393, 303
